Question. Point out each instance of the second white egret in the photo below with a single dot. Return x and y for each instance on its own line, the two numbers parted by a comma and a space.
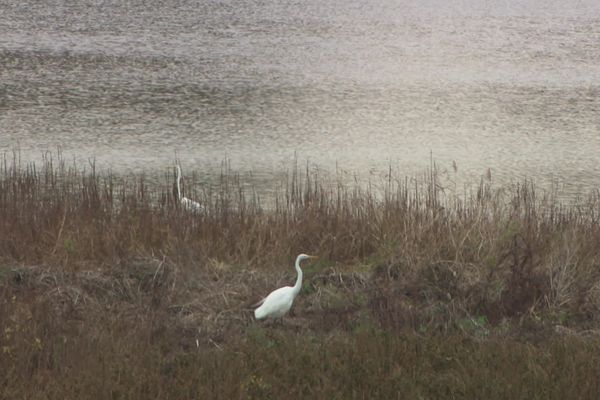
188, 204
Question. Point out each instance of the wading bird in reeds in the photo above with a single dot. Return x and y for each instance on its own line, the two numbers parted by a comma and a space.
188, 204
279, 301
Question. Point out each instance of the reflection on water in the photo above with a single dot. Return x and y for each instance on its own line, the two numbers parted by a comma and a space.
363, 85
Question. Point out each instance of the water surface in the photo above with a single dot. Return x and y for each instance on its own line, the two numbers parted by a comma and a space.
361, 85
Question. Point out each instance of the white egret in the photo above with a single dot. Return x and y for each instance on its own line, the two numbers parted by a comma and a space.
279, 301
188, 204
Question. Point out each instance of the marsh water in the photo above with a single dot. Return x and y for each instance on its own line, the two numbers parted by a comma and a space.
512, 87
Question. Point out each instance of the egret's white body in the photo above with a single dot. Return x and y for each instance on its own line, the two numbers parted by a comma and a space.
185, 202
279, 301
190, 204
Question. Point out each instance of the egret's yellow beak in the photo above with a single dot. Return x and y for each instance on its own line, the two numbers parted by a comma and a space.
313, 257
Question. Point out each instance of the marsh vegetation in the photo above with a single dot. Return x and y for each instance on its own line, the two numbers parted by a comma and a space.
110, 290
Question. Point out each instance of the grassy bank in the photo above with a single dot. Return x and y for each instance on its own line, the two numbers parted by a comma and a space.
110, 290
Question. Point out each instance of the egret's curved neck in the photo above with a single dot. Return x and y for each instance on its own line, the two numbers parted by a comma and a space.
298, 284
178, 179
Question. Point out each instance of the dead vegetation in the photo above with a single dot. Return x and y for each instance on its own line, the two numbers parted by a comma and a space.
110, 290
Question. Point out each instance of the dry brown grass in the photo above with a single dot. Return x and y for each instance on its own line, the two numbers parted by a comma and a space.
110, 290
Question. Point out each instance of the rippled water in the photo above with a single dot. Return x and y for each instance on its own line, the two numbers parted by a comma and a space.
514, 87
